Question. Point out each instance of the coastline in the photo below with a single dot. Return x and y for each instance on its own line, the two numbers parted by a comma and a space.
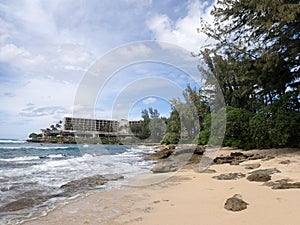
189, 197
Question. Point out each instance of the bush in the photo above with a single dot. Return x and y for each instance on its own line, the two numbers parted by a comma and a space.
275, 127
238, 129
170, 138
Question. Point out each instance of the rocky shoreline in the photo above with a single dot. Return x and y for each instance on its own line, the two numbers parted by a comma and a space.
170, 158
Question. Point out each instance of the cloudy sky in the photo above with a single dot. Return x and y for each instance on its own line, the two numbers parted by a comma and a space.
48, 49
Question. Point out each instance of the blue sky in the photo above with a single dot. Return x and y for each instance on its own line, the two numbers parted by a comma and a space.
48, 47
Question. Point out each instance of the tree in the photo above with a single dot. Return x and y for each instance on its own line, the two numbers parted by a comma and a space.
255, 63
152, 126
256, 42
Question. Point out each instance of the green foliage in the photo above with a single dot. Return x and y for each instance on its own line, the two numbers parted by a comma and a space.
170, 138
35, 135
205, 133
237, 128
276, 127
152, 127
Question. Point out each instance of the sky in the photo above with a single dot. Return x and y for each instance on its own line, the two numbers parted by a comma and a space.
101, 59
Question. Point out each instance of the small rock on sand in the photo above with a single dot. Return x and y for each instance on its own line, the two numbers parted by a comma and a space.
235, 203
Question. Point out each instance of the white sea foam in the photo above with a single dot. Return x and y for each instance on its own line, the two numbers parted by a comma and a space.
56, 156
36, 147
24, 158
12, 141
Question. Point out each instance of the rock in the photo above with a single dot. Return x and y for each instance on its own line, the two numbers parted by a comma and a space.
230, 176
259, 177
282, 184
236, 157
256, 156
164, 167
199, 150
235, 203
269, 157
207, 171
252, 166
285, 162
237, 154
266, 171
89, 182
223, 159
235, 163
161, 154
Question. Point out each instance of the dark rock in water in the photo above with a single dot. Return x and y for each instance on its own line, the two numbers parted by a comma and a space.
230, 176
282, 184
23, 203
235, 203
266, 171
89, 182
252, 166
259, 177
285, 162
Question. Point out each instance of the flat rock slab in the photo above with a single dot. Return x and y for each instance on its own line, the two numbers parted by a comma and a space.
285, 162
230, 176
235, 203
283, 184
266, 171
259, 177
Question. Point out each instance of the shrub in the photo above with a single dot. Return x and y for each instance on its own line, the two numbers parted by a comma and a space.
170, 138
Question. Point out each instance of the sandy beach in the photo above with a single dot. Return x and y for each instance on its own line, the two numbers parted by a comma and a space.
191, 198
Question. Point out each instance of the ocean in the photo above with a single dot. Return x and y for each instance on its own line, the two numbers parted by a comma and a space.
31, 174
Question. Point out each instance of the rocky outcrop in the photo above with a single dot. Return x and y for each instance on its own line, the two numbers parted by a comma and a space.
235, 203
236, 158
230, 176
170, 159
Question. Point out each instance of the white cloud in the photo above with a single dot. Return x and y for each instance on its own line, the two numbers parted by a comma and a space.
183, 31
149, 100
14, 55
